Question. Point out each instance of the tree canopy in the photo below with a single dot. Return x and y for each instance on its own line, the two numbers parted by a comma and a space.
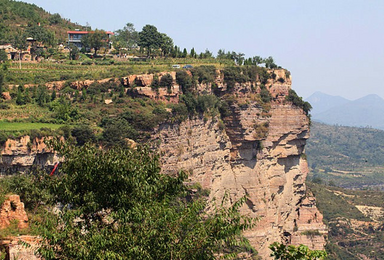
290, 252
126, 37
95, 40
117, 205
151, 40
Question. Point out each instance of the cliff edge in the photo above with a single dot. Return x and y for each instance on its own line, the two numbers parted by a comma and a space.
254, 151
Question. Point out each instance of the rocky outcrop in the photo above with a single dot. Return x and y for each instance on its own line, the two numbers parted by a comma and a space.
6, 96
13, 210
254, 152
23, 153
21, 247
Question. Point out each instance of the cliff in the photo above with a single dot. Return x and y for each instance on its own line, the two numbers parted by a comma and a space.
23, 153
255, 149
257, 153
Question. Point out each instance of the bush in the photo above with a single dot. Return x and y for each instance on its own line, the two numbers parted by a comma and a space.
184, 80
3, 138
166, 81
233, 75
265, 95
87, 62
298, 101
119, 193
204, 74
83, 134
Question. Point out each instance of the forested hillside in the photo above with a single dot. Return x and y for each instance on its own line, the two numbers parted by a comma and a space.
347, 156
16, 18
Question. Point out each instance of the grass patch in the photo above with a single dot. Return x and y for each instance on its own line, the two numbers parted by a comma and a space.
20, 126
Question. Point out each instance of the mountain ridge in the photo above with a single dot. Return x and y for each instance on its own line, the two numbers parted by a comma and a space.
366, 111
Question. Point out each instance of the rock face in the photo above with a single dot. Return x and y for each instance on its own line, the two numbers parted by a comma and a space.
13, 210
23, 153
15, 249
257, 153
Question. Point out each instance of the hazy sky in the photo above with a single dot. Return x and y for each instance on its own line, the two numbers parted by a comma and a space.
333, 46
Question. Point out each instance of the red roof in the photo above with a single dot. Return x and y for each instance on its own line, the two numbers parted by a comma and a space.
86, 32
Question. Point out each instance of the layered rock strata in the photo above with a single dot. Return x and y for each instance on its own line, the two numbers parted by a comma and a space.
21, 154
257, 153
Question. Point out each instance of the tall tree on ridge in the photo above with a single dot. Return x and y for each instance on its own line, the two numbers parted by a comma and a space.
150, 39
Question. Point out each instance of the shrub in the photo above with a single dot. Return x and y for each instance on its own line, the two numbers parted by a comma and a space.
204, 74
3, 138
83, 134
166, 81
184, 80
265, 95
233, 75
87, 62
298, 101
4, 106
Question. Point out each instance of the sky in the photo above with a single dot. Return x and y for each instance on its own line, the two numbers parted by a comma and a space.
336, 47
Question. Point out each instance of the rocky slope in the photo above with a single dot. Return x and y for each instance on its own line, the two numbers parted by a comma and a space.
255, 150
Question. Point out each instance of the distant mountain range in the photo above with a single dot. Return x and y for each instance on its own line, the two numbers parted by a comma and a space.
367, 111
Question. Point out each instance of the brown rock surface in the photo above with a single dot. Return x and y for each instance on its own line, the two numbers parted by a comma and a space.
15, 249
268, 167
13, 210
6, 96
22, 153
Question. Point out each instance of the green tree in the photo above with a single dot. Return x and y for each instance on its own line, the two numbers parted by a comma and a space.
166, 81
184, 80
166, 44
185, 53
193, 53
40, 34
301, 252
3, 56
123, 208
270, 63
55, 19
19, 42
95, 40
53, 96
126, 38
42, 96
73, 52
83, 134
1, 82
20, 98
150, 39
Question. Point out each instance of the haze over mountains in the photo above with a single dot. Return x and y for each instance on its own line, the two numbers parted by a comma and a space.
367, 111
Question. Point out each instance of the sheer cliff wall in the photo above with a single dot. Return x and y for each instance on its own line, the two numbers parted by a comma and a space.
257, 153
